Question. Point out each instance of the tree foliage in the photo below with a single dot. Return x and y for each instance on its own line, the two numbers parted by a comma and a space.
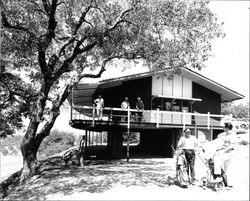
239, 111
57, 142
15, 98
55, 44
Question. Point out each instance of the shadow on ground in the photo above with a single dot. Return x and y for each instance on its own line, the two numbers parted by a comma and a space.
95, 177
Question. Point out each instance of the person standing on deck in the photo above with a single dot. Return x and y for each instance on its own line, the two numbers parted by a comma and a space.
140, 107
125, 105
99, 107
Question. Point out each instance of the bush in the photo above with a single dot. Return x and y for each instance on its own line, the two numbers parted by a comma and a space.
10, 142
56, 142
243, 142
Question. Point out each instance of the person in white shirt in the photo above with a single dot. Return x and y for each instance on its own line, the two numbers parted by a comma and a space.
99, 107
223, 155
188, 143
125, 105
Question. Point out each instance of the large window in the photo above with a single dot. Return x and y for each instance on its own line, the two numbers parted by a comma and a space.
170, 104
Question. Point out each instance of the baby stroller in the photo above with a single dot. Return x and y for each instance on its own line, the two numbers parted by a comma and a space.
218, 182
182, 177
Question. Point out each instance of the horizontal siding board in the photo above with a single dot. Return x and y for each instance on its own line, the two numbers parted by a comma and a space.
83, 94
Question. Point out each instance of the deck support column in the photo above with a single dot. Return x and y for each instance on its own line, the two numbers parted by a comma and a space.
211, 133
86, 143
128, 134
195, 130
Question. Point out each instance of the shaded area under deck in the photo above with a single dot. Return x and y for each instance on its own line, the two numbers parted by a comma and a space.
154, 142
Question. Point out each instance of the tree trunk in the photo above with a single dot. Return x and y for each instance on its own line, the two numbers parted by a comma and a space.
29, 150
32, 140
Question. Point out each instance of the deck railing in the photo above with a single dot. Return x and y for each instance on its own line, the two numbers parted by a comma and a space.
149, 116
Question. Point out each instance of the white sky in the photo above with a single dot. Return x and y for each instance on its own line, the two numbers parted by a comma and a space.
230, 64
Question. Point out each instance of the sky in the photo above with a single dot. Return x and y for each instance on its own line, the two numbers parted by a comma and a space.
229, 65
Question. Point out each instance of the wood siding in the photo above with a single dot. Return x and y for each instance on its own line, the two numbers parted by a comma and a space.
178, 86
211, 101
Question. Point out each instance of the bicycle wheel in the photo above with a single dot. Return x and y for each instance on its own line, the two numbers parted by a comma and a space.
219, 186
203, 181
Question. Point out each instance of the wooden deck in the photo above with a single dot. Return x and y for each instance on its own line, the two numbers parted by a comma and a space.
84, 117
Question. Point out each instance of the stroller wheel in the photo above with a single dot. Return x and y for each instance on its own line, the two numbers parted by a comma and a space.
219, 186
170, 181
203, 181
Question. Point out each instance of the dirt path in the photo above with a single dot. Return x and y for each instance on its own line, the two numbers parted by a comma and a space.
140, 179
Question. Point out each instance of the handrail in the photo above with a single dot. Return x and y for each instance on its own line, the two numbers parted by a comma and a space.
152, 116
154, 111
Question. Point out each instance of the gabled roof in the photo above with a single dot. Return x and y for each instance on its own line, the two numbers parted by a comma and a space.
226, 93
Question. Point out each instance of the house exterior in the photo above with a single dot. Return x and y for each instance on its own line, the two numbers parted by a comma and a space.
171, 103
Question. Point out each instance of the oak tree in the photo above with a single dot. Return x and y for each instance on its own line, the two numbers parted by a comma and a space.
54, 44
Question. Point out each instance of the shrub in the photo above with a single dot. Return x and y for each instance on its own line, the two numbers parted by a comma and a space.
10, 142
56, 142
243, 142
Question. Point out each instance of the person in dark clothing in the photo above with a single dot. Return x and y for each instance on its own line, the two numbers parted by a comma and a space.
81, 151
140, 107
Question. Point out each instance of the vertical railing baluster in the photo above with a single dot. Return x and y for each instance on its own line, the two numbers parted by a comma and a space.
93, 115
158, 118
184, 120
208, 120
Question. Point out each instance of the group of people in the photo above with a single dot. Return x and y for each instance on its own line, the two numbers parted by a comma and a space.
139, 106
188, 143
99, 102
222, 157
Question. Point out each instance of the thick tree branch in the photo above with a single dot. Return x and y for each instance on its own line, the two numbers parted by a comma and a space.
55, 111
66, 64
52, 20
46, 6
121, 18
7, 24
46, 39
81, 20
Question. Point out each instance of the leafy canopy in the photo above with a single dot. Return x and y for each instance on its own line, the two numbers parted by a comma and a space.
54, 44
239, 111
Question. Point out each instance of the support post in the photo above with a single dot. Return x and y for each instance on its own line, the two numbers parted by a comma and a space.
211, 133
208, 120
195, 130
93, 115
111, 115
158, 118
230, 117
128, 134
184, 120
86, 143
